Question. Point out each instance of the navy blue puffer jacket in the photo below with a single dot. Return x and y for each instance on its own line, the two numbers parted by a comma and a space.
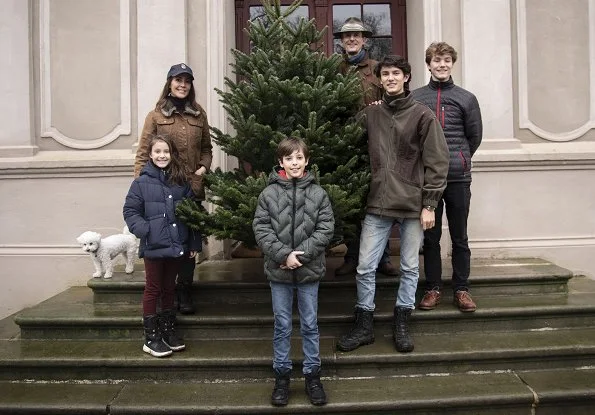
149, 212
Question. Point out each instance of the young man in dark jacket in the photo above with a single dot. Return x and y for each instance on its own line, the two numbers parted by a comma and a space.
409, 163
458, 112
293, 224
354, 35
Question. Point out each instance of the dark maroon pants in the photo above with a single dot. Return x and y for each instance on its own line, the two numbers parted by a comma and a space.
160, 284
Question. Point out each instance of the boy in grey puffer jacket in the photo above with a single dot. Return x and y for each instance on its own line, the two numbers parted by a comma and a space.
293, 224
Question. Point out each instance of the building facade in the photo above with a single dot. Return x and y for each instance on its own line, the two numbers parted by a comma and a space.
79, 76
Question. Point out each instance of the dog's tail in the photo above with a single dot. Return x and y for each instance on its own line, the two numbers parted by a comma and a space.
126, 231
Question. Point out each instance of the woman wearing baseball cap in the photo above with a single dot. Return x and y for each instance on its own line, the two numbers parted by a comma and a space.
178, 116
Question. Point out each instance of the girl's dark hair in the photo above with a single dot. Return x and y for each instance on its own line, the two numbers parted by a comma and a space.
191, 98
175, 171
290, 144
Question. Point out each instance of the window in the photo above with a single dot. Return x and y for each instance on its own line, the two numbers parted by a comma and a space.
386, 20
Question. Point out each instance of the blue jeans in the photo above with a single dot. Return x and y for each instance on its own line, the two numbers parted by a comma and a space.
375, 234
307, 298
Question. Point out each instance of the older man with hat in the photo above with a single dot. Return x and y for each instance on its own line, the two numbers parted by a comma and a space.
353, 35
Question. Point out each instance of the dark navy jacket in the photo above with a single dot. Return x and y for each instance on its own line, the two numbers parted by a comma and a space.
149, 212
460, 117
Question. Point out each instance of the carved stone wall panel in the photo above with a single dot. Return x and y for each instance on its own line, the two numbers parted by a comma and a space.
85, 71
556, 80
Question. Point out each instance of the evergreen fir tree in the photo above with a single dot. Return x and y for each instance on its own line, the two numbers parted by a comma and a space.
285, 86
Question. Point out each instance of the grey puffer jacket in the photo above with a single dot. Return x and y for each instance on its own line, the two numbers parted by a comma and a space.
293, 215
460, 117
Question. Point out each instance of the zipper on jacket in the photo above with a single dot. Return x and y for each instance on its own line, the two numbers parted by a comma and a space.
440, 107
294, 182
463, 161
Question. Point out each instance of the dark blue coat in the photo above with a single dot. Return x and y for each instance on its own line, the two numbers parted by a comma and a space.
458, 112
149, 212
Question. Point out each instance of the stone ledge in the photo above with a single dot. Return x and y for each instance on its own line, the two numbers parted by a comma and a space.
69, 161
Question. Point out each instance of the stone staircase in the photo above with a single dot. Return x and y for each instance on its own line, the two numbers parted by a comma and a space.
528, 349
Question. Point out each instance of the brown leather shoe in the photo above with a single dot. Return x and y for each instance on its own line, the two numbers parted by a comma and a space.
348, 268
430, 301
387, 268
464, 302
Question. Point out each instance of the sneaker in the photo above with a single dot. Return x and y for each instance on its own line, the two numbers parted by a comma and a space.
462, 299
348, 268
431, 300
387, 268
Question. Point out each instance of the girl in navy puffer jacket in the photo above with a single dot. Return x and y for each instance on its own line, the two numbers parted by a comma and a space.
149, 212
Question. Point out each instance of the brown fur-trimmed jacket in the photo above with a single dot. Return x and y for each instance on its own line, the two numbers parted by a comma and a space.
190, 132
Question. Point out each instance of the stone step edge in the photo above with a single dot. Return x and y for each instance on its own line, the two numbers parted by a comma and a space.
483, 313
523, 389
122, 281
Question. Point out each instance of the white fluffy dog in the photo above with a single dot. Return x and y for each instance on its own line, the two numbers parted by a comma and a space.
103, 251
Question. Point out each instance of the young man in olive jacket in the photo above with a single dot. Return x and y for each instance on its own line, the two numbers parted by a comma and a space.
354, 35
458, 112
409, 163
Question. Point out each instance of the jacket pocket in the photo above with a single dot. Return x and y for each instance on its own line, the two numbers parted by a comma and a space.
196, 121
464, 163
158, 236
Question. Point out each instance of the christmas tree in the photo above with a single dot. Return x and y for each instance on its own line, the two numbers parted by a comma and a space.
285, 86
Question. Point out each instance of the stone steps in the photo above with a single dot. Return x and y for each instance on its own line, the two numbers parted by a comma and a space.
244, 281
511, 392
74, 315
229, 359
528, 349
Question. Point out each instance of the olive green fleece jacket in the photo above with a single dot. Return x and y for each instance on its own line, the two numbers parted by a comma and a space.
408, 157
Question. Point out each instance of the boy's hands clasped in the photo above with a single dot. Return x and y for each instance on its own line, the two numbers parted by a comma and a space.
292, 262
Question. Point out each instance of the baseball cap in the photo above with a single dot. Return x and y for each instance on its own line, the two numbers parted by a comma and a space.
178, 69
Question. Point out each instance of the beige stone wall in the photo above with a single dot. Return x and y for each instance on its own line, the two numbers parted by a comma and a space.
556, 79
84, 73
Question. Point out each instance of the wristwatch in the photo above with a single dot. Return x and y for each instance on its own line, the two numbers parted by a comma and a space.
429, 208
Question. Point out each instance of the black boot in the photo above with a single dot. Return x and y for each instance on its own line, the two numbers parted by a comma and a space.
184, 286
280, 395
184, 295
314, 388
361, 333
401, 336
153, 342
167, 322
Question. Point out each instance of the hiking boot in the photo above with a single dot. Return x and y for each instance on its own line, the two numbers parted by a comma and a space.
153, 342
167, 322
280, 395
348, 268
431, 300
314, 388
462, 299
387, 268
361, 333
401, 336
184, 296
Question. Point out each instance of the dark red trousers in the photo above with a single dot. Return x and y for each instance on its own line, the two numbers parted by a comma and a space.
160, 284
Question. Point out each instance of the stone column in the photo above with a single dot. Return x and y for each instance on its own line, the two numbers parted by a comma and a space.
162, 42
16, 135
